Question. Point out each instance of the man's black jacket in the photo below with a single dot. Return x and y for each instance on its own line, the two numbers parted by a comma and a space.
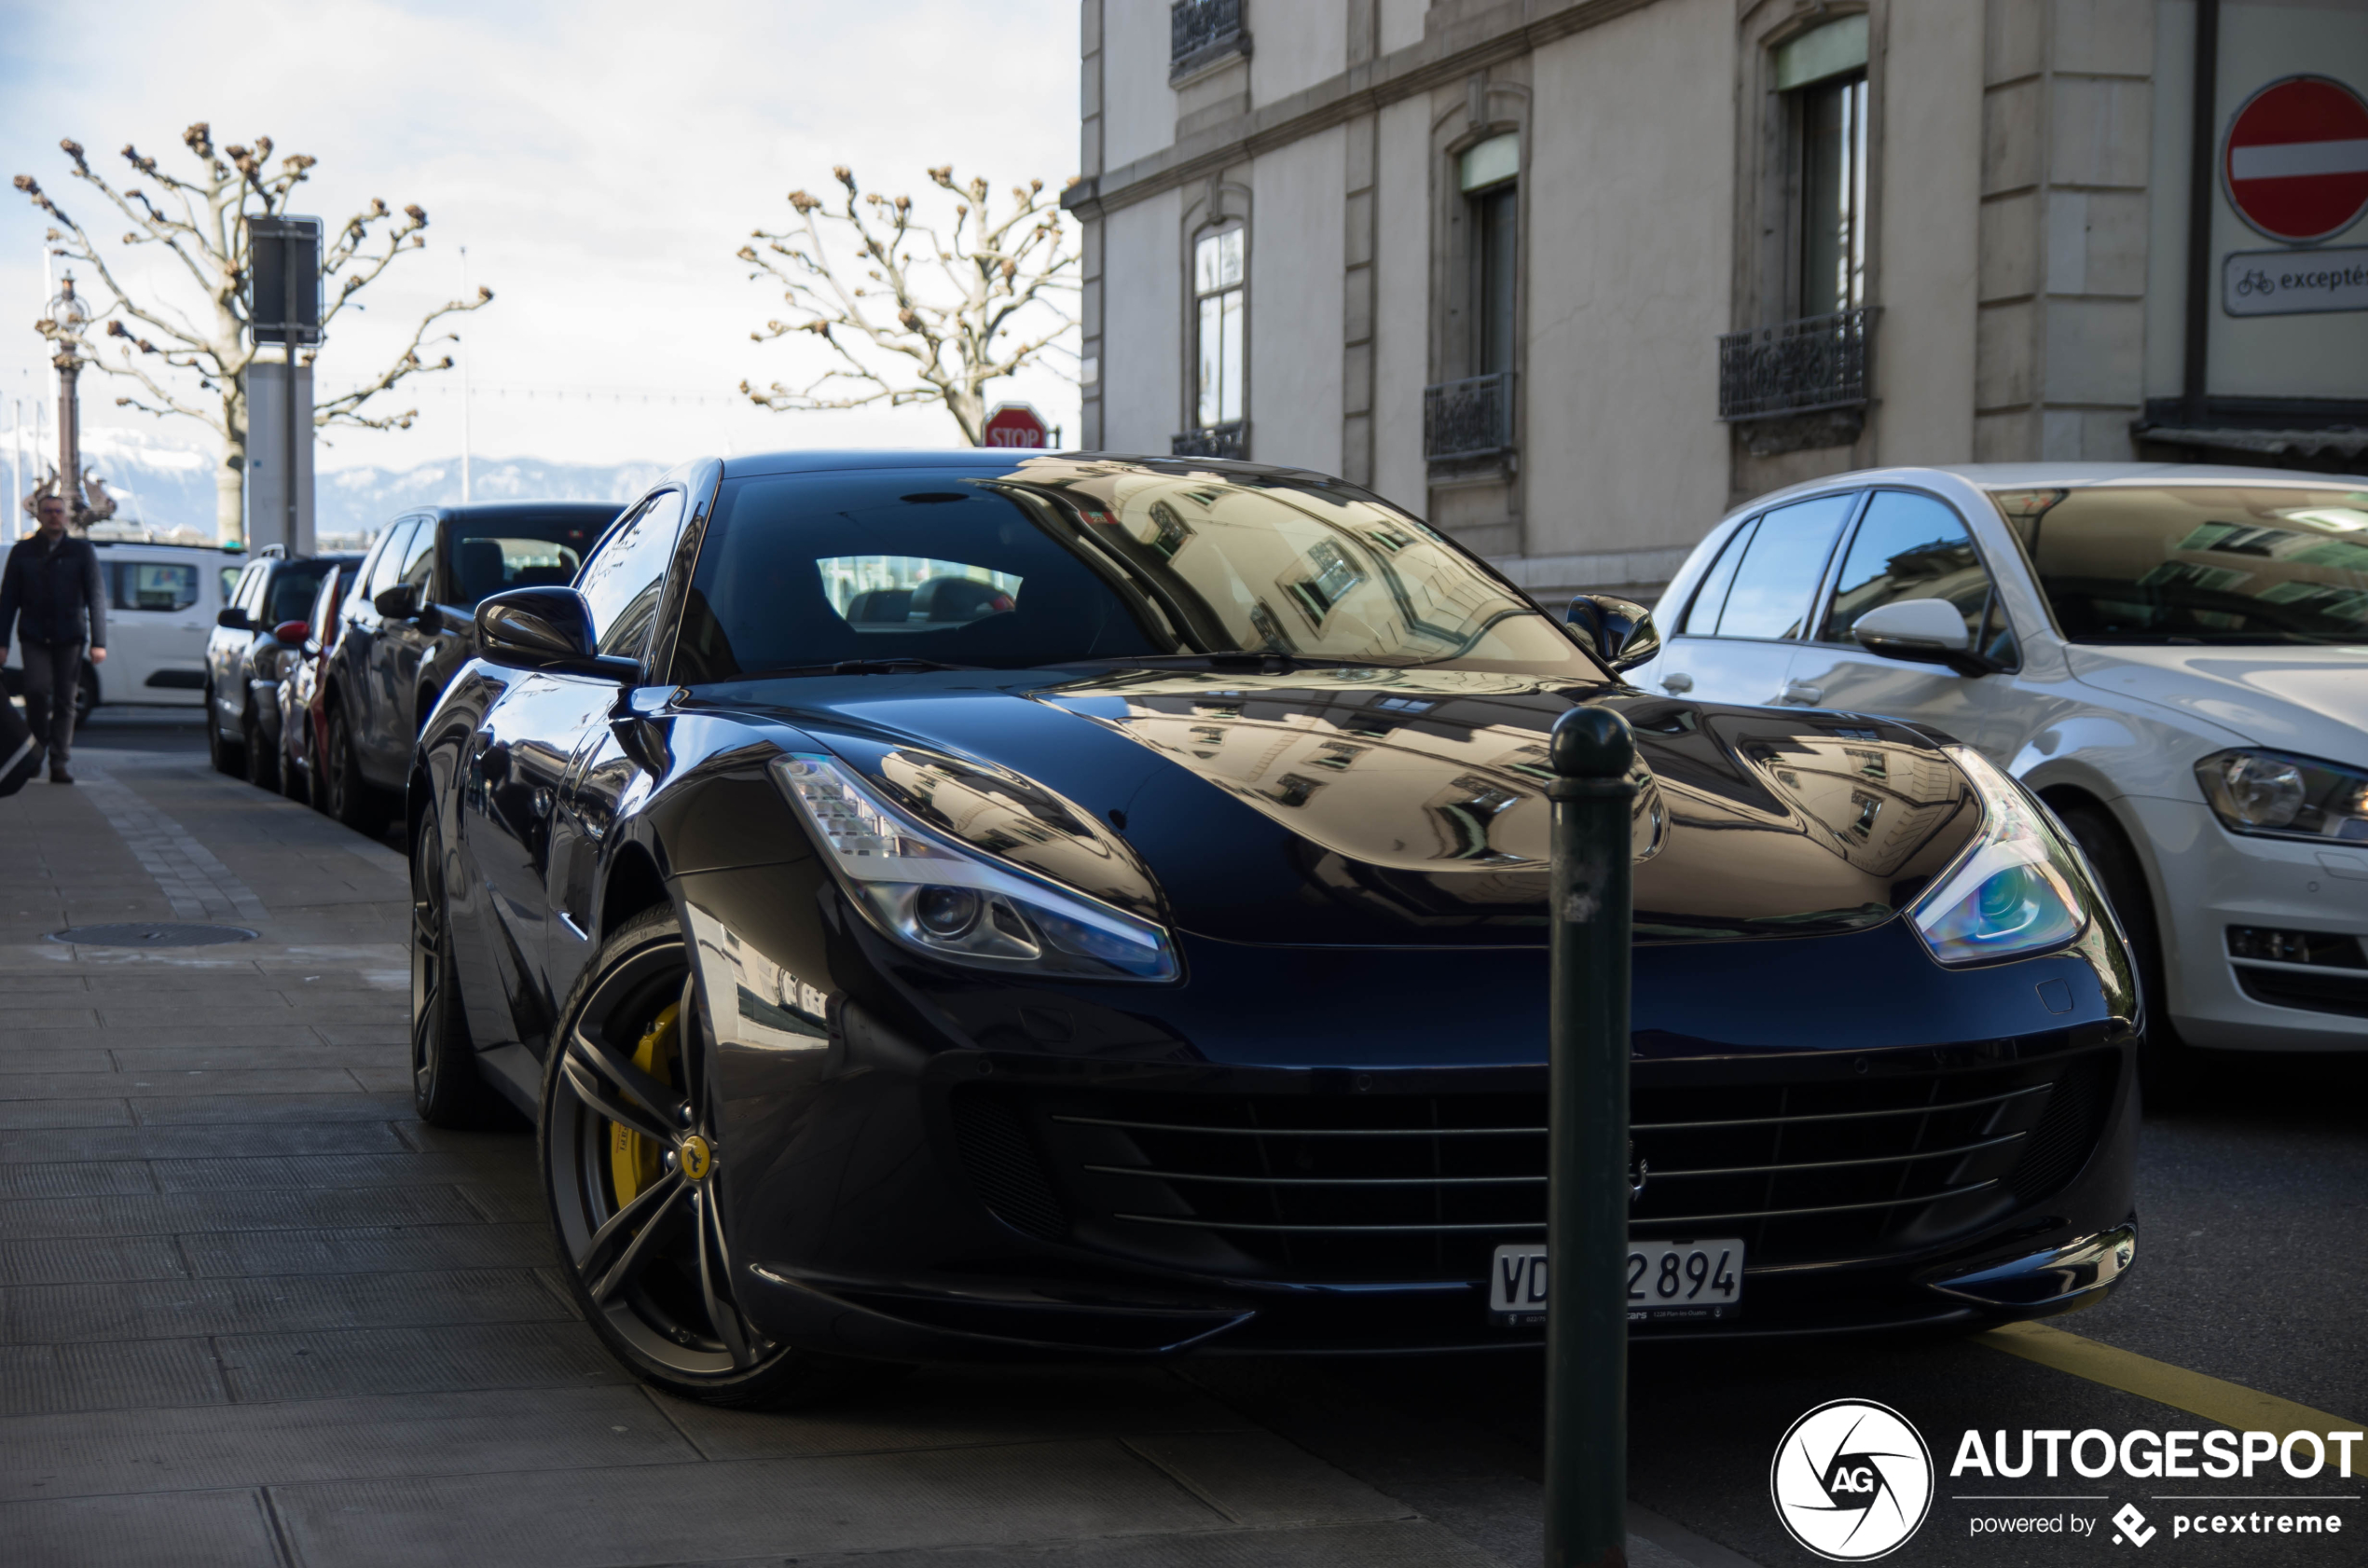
59, 591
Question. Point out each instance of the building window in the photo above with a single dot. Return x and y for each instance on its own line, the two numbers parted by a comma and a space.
1489, 176
1823, 76
1217, 274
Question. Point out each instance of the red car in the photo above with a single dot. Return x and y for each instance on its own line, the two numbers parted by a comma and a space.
303, 717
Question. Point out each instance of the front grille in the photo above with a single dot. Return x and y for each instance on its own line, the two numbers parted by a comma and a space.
1385, 1186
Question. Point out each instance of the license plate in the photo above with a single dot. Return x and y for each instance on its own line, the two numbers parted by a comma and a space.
1667, 1281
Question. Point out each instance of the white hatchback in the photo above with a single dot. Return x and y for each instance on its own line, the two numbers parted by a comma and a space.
161, 603
2174, 658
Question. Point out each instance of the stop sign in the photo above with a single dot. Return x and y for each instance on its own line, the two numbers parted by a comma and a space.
1014, 424
2296, 160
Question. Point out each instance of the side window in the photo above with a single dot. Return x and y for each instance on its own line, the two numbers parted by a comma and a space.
623, 581
1912, 547
1781, 567
1702, 616
230, 584
419, 559
151, 586
250, 595
389, 566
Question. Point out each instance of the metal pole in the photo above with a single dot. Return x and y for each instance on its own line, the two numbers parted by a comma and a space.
1587, 1214
464, 384
290, 311
2203, 136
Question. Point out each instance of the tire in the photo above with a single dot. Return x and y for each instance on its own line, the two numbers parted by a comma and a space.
263, 762
220, 749
346, 795
645, 1249
2166, 1066
295, 784
446, 1088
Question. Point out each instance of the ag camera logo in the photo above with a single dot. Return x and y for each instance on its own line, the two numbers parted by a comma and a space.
1852, 1480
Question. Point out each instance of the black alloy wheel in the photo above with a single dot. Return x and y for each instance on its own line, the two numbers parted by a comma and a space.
219, 749
446, 1088
2166, 1066
263, 760
344, 794
633, 1166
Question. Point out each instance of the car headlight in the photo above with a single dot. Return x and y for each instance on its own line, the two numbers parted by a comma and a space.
953, 902
2279, 796
2018, 891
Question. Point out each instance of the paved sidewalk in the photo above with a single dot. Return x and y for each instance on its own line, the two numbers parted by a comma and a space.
253, 1313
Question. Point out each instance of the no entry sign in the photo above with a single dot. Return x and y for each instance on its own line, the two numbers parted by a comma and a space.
1013, 424
2296, 160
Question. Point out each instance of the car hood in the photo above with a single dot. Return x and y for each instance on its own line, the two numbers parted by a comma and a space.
1394, 806
2308, 699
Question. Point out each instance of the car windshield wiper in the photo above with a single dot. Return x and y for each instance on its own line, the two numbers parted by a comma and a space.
852, 666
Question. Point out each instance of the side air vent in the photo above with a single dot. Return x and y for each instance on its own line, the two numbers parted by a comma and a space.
2066, 1135
1004, 1167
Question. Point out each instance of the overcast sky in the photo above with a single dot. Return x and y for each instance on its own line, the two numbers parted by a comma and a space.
602, 161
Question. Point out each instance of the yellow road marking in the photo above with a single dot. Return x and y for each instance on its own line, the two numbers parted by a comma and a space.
2230, 1403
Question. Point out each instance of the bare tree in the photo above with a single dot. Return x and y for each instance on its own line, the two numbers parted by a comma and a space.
201, 221
911, 314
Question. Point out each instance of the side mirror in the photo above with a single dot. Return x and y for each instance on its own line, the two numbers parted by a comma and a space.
234, 619
1619, 632
546, 628
293, 633
1921, 631
397, 604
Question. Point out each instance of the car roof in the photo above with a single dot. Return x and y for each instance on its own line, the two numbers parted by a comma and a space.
2063, 476
496, 510
176, 549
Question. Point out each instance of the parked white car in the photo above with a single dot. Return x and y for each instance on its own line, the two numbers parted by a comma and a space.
161, 603
2174, 658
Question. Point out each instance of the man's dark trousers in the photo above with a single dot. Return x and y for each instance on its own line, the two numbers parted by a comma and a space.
52, 673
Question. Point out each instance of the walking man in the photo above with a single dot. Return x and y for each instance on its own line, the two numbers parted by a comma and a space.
53, 597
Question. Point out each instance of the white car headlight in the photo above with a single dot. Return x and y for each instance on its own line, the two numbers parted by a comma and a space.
2274, 796
2018, 891
949, 901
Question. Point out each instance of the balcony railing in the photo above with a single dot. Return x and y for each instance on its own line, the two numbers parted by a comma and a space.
1201, 31
1797, 367
1215, 441
1468, 419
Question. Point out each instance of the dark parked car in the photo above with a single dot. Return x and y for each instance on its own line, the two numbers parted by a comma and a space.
301, 717
404, 630
241, 660
939, 907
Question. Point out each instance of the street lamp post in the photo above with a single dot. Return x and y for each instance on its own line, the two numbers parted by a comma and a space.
65, 321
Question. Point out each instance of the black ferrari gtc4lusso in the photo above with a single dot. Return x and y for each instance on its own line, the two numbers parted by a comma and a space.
958, 905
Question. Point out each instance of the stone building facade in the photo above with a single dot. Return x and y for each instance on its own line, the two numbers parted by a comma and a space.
1570, 277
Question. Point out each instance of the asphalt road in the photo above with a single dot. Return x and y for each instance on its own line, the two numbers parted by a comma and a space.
2253, 1246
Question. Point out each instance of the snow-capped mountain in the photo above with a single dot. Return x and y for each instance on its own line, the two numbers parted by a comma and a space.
166, 484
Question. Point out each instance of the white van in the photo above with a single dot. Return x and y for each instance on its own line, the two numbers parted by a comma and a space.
161, 603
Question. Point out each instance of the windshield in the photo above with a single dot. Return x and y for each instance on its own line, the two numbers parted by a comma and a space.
1064, 562
292, 588
494, 551
2198, 563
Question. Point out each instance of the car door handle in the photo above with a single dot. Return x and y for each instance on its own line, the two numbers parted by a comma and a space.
1676, 682
1804, 694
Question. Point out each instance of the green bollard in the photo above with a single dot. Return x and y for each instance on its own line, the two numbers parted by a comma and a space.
1588, 1202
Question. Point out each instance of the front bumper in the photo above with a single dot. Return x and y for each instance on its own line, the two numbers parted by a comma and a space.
2213, 879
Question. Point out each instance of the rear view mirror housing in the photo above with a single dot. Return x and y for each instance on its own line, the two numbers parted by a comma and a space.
399, 602
293, 633
1921, 631
1619, 632
546, 628
234, 619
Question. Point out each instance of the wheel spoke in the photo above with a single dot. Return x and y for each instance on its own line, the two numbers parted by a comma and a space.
723, 1316
660, 1099
595, 1093
645, 1204
662, 1218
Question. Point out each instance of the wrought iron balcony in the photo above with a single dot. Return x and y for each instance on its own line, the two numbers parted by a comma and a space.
1215, 441
1468, 419
1795, 367
1203, 32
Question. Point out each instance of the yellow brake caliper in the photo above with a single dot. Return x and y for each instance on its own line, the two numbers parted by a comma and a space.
634, 1160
